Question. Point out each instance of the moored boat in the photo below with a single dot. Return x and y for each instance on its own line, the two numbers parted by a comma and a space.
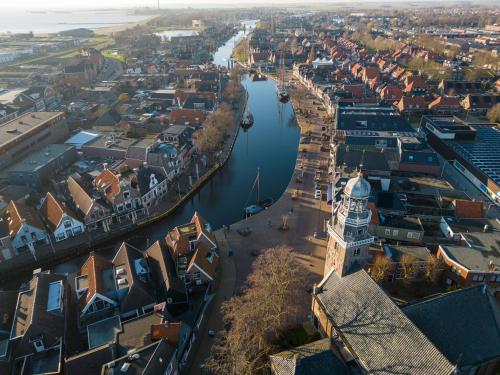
252, 210
247, 119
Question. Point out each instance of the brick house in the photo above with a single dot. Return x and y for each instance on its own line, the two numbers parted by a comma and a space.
472, 258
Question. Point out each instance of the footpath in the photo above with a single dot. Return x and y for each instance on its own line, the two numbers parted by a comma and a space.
304, 216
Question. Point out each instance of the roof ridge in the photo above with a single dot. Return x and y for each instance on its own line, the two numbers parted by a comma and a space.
443, 295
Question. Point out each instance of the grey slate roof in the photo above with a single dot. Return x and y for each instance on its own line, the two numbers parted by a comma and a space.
462, 324
315, 358
146, 177
377, 332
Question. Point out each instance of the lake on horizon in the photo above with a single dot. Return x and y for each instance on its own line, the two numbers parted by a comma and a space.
41, 22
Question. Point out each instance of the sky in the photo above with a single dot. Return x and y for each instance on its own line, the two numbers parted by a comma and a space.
74, 4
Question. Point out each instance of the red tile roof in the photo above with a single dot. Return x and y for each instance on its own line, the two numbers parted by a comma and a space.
108, 182
468, 209
444, 101
187, 115
19, 213
53, 211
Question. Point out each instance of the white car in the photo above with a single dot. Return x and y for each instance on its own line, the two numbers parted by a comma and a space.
317, 194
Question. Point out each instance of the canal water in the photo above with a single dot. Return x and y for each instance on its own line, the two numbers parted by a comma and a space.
270, 145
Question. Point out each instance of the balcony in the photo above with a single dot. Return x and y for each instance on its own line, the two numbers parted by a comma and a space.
360, 220
348, 242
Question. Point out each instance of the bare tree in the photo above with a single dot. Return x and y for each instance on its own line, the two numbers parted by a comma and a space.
433, 268
300, 95
211, 138
273, 300
409, 265
494, 113
233, 90
380, 268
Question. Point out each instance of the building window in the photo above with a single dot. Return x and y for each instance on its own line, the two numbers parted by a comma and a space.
33, 236
67, 224
395, 232
357, 252
477, 277
495, 278
38, 344
455, 270
387, 232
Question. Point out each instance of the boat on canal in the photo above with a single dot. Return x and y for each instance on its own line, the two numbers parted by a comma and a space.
259, 204
283, 95
259, 77
246, 119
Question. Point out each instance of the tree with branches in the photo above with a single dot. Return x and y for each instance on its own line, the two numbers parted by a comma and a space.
273, 300
433, 268
409, 266
381, 266
494, 113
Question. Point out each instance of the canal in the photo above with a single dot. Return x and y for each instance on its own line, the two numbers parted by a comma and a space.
270, 145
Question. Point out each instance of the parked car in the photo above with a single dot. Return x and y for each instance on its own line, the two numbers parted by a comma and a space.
317, 194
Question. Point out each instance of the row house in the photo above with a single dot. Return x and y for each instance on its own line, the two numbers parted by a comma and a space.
415, 85
38, 321
445, 105
453, 88
94, 211
479, 103
193, 248
25, 228
62, 222
412, 105
123, 196
391, 93
104, 288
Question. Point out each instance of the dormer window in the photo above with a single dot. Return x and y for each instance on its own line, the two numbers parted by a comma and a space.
38, 344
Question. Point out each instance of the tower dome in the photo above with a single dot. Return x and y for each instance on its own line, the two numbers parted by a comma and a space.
357, 187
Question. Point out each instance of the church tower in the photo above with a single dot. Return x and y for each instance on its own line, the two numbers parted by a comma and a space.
348, 237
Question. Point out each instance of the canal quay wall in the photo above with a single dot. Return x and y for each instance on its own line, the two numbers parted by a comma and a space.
60, 252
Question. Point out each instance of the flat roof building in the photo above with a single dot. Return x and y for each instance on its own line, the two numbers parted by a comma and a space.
471, 147
30, 132
370, 117
39, 166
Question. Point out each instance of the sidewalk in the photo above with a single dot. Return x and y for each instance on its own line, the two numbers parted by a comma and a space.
225, 288
305, 216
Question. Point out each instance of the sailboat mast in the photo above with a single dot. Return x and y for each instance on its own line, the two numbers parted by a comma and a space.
258, 185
